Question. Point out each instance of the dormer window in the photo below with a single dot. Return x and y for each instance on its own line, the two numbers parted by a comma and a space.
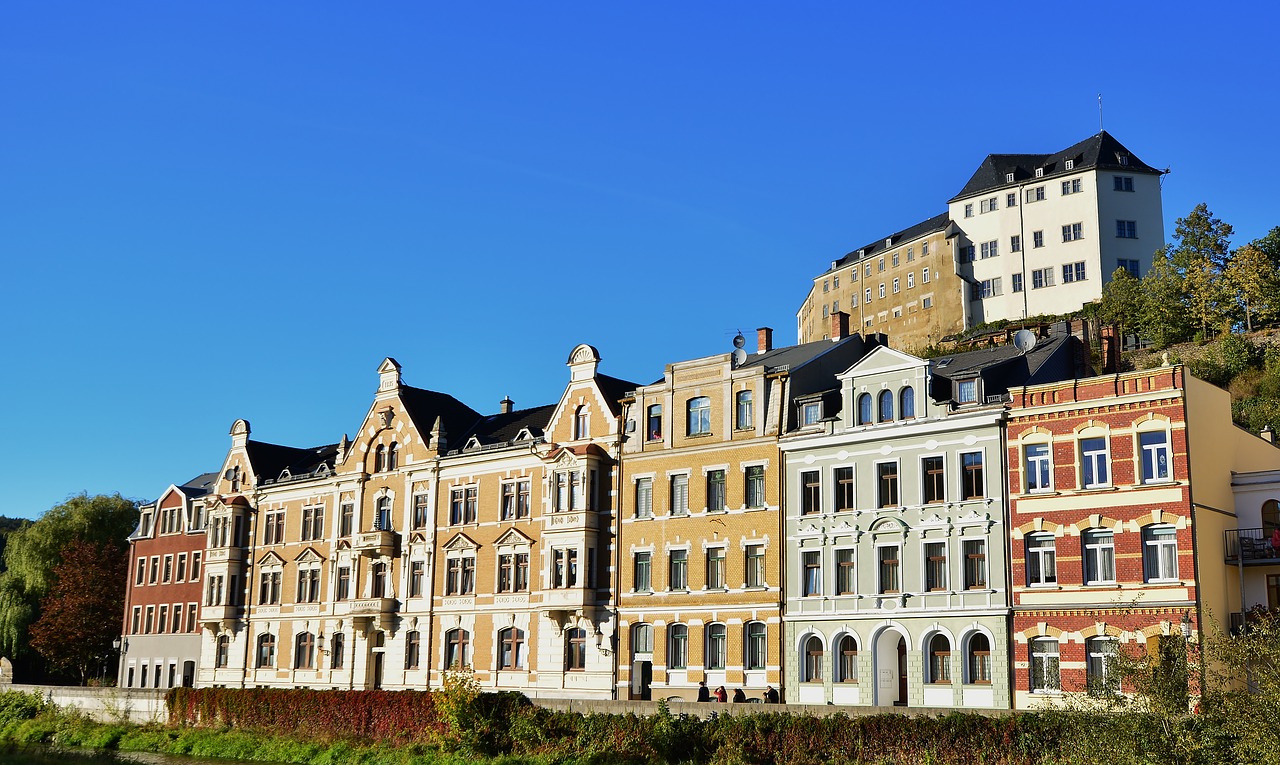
1071, 164
1008, 177
1039, 172
966, 391
1124, 159
810, 412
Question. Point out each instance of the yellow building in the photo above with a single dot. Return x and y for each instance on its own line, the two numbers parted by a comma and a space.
700, 549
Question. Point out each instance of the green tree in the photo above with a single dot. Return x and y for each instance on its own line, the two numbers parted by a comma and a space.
33, 551
1163, 315
1200, 252
1243, 686
1121, 304
81, 614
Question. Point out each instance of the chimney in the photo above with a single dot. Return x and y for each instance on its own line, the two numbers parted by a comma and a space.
1269, 433
506, 405
764, 339
839, 326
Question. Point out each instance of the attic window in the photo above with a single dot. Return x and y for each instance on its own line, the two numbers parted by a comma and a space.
1039, 172
1008, 177
943, 362
1123, 158
888, 242
1071, 164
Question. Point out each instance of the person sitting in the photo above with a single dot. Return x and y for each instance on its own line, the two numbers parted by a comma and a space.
721, 696
770, 695
739, 697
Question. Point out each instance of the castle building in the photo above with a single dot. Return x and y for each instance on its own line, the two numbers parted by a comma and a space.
160, 640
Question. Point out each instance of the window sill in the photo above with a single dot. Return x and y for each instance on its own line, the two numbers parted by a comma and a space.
698, 435
1097, 489
1044, 586
1112, 585
1159, 482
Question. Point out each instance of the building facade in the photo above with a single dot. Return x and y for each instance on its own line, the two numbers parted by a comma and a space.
160, 640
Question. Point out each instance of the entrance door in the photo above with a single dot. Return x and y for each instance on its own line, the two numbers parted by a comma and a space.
641, 678
377, 670
902, 673
188, 674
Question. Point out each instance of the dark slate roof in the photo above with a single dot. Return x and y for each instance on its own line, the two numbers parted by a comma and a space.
795, 356
200, 485
615, 389
424, 406
503, 428
1004, 366
909, 234
270, 460
1100, 151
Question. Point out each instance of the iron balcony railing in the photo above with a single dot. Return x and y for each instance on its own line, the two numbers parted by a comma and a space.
1251, 547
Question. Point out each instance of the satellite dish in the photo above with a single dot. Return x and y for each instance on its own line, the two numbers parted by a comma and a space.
739, 357
739, 341
1024, 340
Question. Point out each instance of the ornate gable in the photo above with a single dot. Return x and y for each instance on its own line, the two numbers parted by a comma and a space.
461, 542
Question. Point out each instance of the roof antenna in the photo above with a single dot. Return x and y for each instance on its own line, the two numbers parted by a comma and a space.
1099, 112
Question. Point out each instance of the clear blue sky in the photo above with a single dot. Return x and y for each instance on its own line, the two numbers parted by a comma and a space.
222, 210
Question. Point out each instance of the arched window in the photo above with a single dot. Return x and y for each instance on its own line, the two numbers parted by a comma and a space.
978, 660
864, 409
223, 654
511, 649
642, 639
699, 416
379, 584
412, 649
266, 650
1270, 517
847, 660
457, 649
742, 418
382, 520
393, 456
757, 645
575, 649
380, 459
812, 659
939, 659
886, 406
580, 422
678, 648
907, 403
304, 651
717, 646
337, 650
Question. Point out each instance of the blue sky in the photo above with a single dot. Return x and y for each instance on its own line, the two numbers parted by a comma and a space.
212, 211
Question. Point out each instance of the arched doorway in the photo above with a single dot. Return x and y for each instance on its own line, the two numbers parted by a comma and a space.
891, 668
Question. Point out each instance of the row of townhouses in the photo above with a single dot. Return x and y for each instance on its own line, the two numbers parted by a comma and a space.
838, 519
1028, 235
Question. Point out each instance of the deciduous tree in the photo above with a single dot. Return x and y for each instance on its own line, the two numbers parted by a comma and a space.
1163, 316
1255, 281
1200, 251
81, 614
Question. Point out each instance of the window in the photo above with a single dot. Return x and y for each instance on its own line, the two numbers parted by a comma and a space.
939, 660
1155, 456
1017, 282
933, 480
812, 660
644, 572
1160, 553
881, 289
868, 298
742, 410
459, 577
417, 576
972, 481
1072, 186
717, 646
987, 288
699, 416
911, 280
1044, 665
895, 259
896, 288
754, 559
273, 528
811, 572
137, 621
382, 517
1015, 243
312, 523
140, 573
966, 391
890, 568
880, 265
162, 622
887, 484
975, 564
580, 429
978, 660
1072, 232
641, 638
1126, 229
457, 649
885, 406
680, 494
1010, 199
987, 205
1036, 194
935, 566
1041, 277
810, 492
1072, 272
911, 253
511, 648
715, 568
967, 253
716, 492
653, 425
266, 655
378, 574
924, 275
755, 486
166, 575
308, 585
847, 660
1094, 463
1132, 266
968, 210
679, 570
846, 574
810, 412
678, 648
344, 583
177, 618
1101, 676
907, 403
644, 497
380, 459
1123, 182
1039, 467
989, 249
422, 511
1041, 559
304, 651
223, 652
844, 497
868, 269
269, 588
1099, 557
1037, 239
757, 645
346, 519
457, 505
926, 302
864, 409
564, 567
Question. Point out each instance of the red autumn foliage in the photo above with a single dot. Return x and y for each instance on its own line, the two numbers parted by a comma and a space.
81, 614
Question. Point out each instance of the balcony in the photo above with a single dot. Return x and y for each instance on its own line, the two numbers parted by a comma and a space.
576, 520
222, 613
224, 555
375, 543
372, 607
1250, 547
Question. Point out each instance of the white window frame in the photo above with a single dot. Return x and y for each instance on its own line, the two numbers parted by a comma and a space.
1049, 552
1036, 466
1160, 547
1094, 460
1096, 551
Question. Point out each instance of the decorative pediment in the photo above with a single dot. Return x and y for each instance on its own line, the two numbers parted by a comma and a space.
461, 542
271, 559
309, 555
417, 537
810, 529
933, 520
526, 434
513, 538
284, 475
889, 526
344, 544
973, 515
472, 443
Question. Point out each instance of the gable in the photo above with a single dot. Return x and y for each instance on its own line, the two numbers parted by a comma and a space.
513, 538
271, 559
309, 555
461, 542
883, 359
